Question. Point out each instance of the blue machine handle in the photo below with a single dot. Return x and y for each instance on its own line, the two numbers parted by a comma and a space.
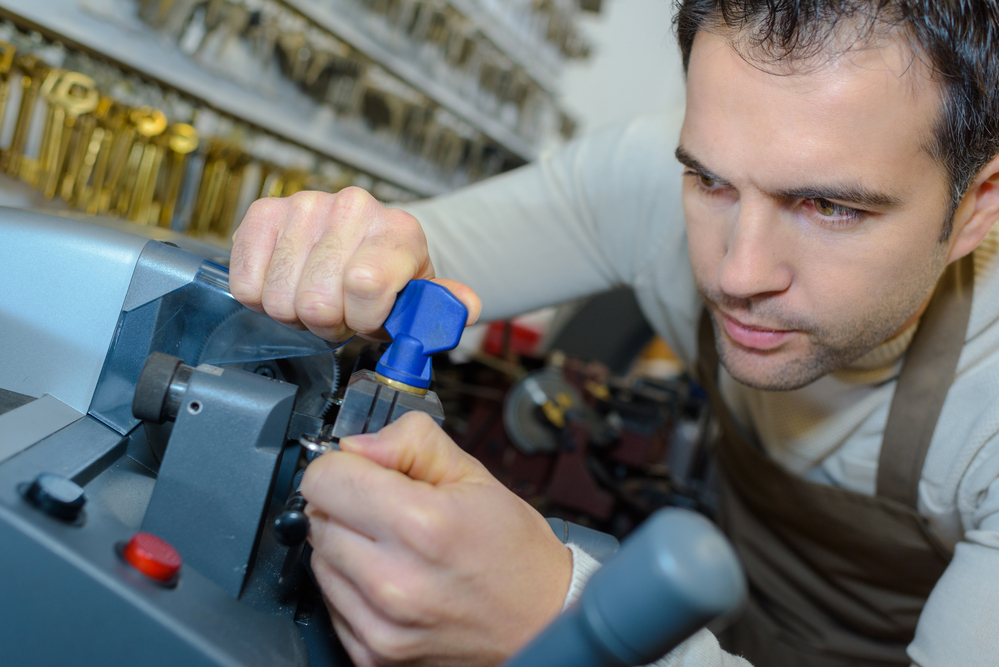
676, 573
426, 319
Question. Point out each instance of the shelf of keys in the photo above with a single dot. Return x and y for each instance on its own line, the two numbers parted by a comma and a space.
459, 54
329, 100
320, 45
450, 88
539, 35
81, 135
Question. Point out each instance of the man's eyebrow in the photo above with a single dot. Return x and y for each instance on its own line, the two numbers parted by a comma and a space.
689, 161
854, 193
849, 193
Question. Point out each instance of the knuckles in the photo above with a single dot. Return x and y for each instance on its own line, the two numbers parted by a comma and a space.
426, 528
366, 280
401, 599
306, 217
314, 309
306, 207
269, 210
351, 203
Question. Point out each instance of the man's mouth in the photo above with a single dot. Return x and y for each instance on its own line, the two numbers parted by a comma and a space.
754, 336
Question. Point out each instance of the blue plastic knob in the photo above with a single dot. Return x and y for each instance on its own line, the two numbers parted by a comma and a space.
426, 319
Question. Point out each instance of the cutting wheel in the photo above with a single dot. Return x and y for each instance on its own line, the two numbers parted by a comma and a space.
523, 417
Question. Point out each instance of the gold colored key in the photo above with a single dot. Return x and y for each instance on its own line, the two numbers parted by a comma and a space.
213, 180
33, 72
238, 162
271, 181
219, 192
77, 156
7, 51
279, 182
145, 183
183, 140
70, 95
135, 166
150, 127
114, 170
91, 182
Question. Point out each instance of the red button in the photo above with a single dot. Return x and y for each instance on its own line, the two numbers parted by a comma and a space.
152, 557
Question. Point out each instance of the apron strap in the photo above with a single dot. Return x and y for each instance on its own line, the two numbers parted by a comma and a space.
927, 373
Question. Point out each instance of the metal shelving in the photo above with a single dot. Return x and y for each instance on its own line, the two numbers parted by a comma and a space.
142, 51
515, 48
411, 72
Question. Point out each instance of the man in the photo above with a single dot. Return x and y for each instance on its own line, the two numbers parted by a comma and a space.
839, 169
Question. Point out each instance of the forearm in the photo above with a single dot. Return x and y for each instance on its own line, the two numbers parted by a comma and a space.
516, 241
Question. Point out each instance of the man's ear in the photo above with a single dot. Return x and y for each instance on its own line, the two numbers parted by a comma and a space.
977, 212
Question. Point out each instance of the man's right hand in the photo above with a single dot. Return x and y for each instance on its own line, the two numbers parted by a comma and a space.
331, 263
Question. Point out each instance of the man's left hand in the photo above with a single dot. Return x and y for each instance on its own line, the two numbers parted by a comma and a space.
423, 557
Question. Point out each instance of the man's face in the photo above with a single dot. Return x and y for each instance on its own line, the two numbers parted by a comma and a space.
814, 212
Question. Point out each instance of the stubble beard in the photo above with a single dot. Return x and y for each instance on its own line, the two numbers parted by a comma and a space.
829, 347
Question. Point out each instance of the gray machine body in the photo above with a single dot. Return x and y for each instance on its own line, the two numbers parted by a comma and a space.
217, 473
81, 310
82, 307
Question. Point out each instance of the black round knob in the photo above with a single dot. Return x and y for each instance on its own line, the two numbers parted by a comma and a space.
57, 496
291, 527
153, 387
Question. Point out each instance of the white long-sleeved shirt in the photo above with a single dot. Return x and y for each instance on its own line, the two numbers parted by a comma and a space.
605, 211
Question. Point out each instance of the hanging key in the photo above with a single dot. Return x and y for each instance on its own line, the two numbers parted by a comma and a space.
7, 51
188, 197
211, 190
118, 157
33, 72
183, 140
131, 181
69, 95
91, 185
237, 163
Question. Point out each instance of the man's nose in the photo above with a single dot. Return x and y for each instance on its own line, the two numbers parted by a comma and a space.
757, 255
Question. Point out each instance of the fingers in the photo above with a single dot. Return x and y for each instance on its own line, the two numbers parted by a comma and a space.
364, 496
331, 263
359, 654
365, 255
381, 586
417, 447
375, 275
343, 602
252, 247
291, 251
466, 295
369, 637
319, 298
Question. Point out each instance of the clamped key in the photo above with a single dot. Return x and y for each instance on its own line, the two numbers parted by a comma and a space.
426, 319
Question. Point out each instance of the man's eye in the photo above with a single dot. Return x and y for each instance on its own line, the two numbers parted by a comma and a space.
707, 181
835, 213
825, 207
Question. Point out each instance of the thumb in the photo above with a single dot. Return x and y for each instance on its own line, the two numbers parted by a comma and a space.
466, 295
417, 447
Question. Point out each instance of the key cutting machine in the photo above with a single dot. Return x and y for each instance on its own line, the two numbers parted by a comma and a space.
152, 435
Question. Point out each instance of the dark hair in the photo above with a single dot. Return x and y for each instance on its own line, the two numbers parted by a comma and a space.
958, 39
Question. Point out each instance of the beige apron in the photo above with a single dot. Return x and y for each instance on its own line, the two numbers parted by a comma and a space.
836, 577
